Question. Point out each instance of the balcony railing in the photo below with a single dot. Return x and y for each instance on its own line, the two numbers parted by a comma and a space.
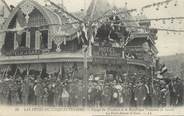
135, 48
138, 62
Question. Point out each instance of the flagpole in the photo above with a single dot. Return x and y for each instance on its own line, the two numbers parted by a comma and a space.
85, 75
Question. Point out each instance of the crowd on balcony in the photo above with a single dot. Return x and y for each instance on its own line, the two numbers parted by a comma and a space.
121, 91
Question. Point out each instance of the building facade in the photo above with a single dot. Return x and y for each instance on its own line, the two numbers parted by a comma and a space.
43, 39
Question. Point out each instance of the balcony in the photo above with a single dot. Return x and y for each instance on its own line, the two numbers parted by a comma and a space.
138, 62
43, 58
134, 49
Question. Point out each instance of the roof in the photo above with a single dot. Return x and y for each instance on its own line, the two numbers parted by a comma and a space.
54, 18
4, 2
97, 8
4, 11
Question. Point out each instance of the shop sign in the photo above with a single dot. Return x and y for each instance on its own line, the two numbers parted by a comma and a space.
23, 52
98, 51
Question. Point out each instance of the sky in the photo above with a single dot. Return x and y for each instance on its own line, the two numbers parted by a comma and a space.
168, 43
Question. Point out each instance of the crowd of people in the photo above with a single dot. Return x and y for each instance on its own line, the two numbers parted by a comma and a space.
131, 91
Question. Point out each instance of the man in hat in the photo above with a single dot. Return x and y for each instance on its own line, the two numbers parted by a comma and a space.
140, 93
38, 89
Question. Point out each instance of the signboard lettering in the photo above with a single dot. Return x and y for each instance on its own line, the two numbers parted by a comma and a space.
24, 51
107, 55
107, 51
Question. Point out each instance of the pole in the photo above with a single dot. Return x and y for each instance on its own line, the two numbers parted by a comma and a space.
152, 76
85, 76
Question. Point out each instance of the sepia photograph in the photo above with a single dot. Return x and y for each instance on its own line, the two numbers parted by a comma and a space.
112, 57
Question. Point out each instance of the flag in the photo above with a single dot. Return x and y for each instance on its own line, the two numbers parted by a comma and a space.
19, 30
84, 34
163, 69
